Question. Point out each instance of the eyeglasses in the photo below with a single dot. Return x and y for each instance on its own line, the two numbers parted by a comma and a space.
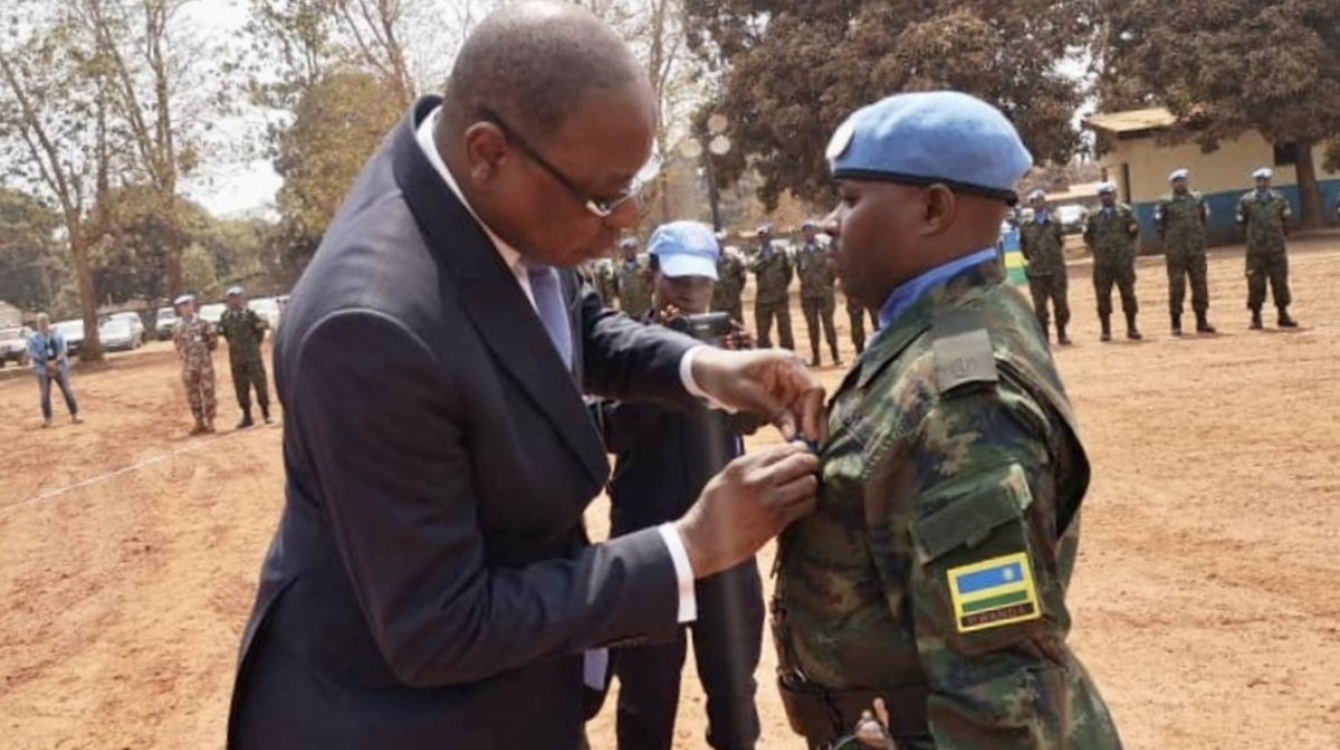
601, 208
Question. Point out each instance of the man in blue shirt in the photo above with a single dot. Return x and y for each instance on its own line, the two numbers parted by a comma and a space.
51, 360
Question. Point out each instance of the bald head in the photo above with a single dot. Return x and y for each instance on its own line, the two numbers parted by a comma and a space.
534, 63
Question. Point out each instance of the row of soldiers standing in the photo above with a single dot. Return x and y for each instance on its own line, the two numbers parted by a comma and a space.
774, 271
1181, 218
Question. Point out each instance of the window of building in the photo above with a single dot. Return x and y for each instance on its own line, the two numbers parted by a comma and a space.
1286, 154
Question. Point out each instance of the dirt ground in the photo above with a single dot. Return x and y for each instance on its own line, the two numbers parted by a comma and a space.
1204, 601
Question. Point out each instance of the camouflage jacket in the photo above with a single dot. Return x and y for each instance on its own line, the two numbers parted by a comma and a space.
946, 532
774, 274
814, 266
244, 330
1111, 235
634, 288
195, 340
602, 278
730, 282
1265, 221
1043, 244
1181, 221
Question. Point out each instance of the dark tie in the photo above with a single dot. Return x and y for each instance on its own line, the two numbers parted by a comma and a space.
548, 293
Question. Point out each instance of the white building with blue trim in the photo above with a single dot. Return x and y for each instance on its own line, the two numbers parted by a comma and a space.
1139, 161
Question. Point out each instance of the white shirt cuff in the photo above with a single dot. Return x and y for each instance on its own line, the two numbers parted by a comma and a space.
688, 601
691, 385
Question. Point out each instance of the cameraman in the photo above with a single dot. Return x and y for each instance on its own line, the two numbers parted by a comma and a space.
665, 457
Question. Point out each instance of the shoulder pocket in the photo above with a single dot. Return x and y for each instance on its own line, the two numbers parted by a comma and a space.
969, 509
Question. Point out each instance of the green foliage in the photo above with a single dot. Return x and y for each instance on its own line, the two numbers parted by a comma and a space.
29, 254
794, 69
198, 274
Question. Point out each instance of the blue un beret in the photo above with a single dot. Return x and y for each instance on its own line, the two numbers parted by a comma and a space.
935, 137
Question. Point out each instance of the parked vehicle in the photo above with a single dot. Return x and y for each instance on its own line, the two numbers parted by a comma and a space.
165, 323
135, 322
14, 346
1072, 217
211, 314
73, 331
268, 309
118, 334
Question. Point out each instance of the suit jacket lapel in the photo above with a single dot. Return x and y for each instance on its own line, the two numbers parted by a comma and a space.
491, 297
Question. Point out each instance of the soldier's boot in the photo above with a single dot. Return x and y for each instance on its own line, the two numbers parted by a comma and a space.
200, 427
1256, 320
209, 424
837, 358
1285, 321
1203, 323
814, 358
1061, 338
246, 421
1177, 324
1106, 322
1132, 332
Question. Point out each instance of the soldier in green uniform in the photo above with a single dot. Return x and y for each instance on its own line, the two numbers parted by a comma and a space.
730, 285
1264, 215
856, 315
1181, 218
818, 299
194, 340
772, 273
602, 277
1110, 233
245, 330
1042, 242
633, 282
933, 573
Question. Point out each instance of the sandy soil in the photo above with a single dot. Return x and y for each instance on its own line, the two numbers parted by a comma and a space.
1204, 601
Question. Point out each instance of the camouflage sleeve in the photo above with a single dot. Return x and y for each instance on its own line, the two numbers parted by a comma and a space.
1241, 216
1132, 224
1025, 247
1090, 225
1059, 231
986, 589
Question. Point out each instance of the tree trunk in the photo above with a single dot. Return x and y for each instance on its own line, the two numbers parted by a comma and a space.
91, 350
1309, 192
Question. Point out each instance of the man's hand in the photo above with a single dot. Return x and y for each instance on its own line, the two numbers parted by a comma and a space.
751, 501
773, 383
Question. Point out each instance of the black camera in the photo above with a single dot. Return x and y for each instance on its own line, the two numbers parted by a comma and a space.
707, 327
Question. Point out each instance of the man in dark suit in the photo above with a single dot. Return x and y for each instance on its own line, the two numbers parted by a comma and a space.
431, 584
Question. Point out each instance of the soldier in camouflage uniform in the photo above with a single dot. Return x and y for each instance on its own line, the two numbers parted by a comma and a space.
633, 282
1042, 242
772, 274
245, 330
818, 299
602, 278
1181, 218
195, 340
1264, 215
1110, 233
933, 574
856, 315
730, 286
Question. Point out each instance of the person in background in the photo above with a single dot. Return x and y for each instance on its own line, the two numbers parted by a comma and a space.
245, 330
51, 361
1111, 233
773, 272
195, 340
665, 458
1181, 218
631, 278
731, 277
1264, 216
814, 266
1042, 241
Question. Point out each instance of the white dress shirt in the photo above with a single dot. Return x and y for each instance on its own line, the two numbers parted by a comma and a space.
598, 659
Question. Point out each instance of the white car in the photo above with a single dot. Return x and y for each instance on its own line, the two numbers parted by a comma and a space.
268, 309
135, 322
212, 314
14, 346
165, 323
117, 334
73, 331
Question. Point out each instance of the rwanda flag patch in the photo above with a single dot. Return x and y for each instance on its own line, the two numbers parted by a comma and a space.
993, 593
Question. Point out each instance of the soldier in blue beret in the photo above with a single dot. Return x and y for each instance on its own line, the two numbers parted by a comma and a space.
932, 578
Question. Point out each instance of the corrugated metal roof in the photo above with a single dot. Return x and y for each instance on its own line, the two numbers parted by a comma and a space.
1136, 119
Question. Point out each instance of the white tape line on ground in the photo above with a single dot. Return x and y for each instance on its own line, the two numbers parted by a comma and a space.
67, 489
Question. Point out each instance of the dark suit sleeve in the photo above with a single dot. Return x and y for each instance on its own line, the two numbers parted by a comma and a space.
387, 443
628, 360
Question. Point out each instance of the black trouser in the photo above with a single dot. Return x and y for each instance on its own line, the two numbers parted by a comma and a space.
727, 639
247, 375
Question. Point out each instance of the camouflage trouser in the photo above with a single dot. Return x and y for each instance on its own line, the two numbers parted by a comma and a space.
200, 391
857, 316
764, 312
1051, 288
1121, 274
247, 375
1263, 266
820, 310
1179, 268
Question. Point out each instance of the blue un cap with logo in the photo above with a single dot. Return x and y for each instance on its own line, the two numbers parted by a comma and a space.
685, 248
942, 137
